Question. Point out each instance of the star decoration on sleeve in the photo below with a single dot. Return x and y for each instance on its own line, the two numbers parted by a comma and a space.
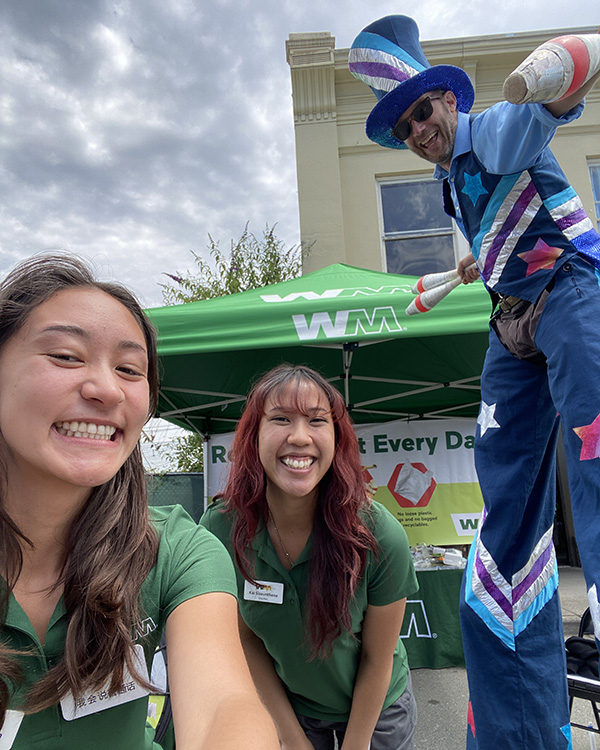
543, 256
590, 437
486, 418
474, 187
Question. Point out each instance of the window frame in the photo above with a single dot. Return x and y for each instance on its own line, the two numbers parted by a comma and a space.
594, 164
459, 242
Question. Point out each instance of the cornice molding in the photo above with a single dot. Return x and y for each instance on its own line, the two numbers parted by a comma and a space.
311, 58
490, 45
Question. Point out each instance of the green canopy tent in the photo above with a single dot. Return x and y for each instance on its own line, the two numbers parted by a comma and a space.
349, 323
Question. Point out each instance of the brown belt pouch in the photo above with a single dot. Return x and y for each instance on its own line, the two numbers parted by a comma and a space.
515, 323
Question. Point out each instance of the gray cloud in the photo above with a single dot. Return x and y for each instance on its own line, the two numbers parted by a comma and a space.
130, 130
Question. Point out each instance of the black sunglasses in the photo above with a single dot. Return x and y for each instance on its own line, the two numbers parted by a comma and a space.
420, 113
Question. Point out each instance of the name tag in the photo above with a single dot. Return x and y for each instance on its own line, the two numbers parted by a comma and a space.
99, 700
266, 591
12, 722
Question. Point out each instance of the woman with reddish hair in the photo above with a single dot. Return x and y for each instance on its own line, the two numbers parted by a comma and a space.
323, 572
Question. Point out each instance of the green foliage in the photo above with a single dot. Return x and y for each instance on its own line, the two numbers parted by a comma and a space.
185, 453
250, 264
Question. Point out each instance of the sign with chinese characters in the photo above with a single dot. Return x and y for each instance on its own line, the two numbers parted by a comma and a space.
10, 728
99, 700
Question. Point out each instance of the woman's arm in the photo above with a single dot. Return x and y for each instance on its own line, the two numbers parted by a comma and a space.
380, 633
271, 691
215, 704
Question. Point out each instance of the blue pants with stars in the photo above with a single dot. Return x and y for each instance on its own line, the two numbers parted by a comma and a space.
510, 610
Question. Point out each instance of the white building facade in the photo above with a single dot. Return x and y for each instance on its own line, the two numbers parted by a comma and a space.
379, 208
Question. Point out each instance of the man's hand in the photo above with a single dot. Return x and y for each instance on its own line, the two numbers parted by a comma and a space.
467, 270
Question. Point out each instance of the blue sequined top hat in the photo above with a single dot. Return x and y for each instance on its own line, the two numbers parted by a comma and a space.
387, 56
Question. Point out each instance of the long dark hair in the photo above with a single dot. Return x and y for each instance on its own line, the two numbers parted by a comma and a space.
341, 538
111, 546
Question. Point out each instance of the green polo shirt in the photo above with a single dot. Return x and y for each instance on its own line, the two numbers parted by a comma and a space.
321, 688
190, 562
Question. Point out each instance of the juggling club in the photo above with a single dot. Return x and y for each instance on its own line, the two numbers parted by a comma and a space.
431, 280
554, 70
430, 297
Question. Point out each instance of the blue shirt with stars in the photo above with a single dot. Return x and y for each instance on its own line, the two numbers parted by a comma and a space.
511, 199
505, 138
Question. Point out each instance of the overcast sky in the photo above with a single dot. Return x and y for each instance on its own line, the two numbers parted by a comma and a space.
131, 129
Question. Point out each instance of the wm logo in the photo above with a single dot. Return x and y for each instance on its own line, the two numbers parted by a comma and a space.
359, 291
466, 524
328, 294
346, 323
415, 620
144, 628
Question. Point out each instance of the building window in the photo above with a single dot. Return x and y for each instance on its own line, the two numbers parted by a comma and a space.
419, 237
595, 178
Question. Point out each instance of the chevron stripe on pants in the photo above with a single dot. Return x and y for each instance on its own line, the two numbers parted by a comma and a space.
510, 611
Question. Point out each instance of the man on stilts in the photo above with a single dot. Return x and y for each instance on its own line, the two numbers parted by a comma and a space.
539, 256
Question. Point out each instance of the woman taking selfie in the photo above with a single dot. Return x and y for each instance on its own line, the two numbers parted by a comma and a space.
323, 573
88, 580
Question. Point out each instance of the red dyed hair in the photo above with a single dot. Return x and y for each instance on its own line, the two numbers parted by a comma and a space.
341, 538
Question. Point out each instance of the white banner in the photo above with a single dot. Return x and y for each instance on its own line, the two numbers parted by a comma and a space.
422, 471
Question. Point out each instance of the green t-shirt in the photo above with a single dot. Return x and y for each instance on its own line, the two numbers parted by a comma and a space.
190, 562
322, 688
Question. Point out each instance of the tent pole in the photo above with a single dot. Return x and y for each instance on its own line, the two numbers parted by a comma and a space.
205, 469
346, 382
347, 352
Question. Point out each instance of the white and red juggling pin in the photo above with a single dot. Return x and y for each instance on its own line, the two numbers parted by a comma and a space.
431, 280
432, 288
554, 70
430, 297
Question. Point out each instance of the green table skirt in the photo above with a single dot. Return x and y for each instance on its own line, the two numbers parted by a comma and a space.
431, 627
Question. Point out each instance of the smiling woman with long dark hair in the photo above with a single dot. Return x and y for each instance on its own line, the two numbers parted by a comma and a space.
323, 572
88, 579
